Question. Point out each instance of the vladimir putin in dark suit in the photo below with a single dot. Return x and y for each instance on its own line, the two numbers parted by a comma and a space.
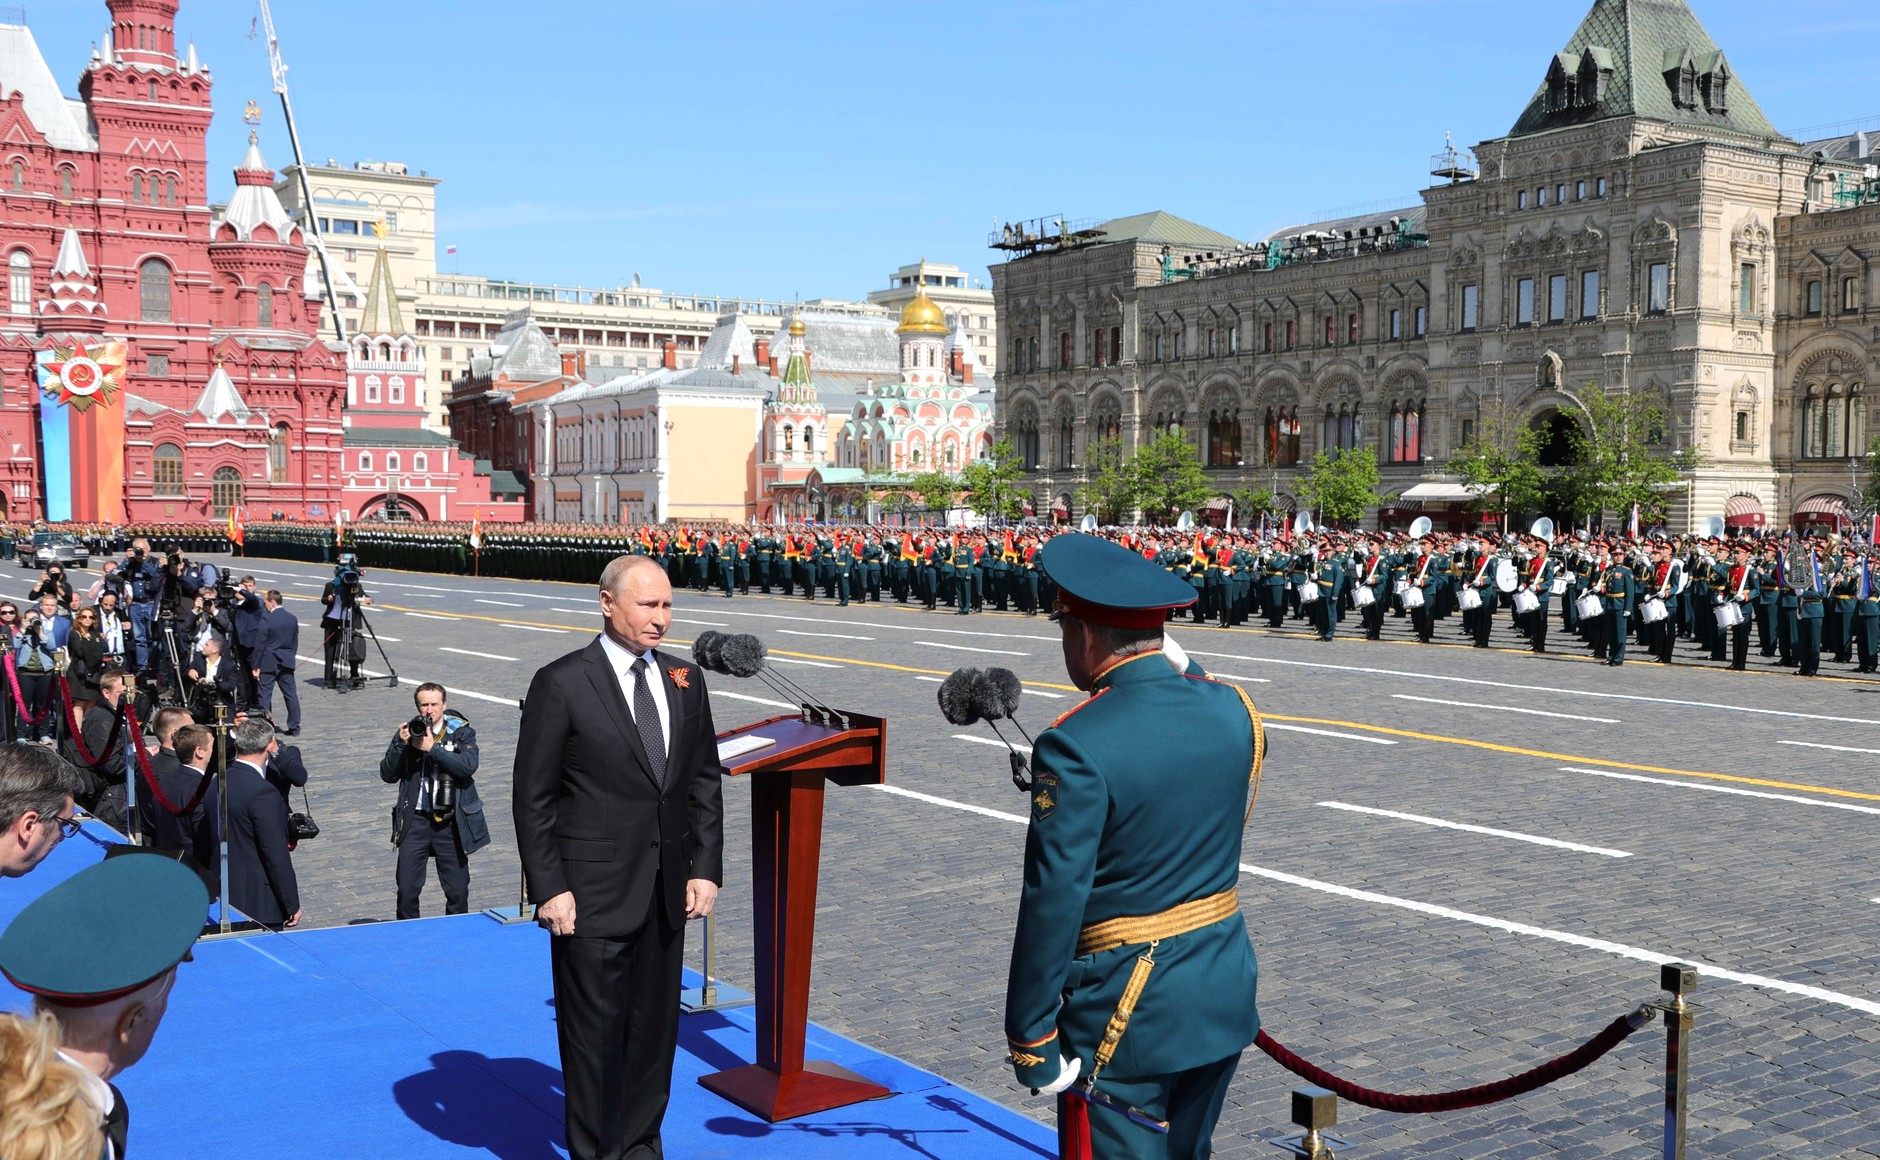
261, 881
275, 659
620, 823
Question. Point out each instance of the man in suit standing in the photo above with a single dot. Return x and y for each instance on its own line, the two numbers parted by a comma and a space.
248, 618
275, 659
261, 882
620, 823
189, 788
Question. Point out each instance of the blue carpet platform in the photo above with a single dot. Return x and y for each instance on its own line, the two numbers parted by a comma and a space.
436, 1038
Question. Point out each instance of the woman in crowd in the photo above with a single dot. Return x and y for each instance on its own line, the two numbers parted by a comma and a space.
85, 652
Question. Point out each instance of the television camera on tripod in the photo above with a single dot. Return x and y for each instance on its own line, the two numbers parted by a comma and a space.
345, 629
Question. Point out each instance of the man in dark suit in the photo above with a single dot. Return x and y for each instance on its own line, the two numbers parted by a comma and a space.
620, 823
275, 660
104, 739
188, 787
261, 882
247, 619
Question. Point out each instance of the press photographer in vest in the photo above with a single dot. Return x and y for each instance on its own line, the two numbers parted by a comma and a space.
433, 761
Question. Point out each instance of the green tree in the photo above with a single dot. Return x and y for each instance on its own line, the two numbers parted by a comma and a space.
1870, 494
934, 490
1342, 484
1498, 476
1249, 502
992, 483
1619, 457
1168, 478
1111, 492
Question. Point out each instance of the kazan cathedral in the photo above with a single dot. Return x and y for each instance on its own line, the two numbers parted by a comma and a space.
1641, 227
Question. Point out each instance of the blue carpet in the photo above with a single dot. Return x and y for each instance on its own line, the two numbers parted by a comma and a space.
437, 1038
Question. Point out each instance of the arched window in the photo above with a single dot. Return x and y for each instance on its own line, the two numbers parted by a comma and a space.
809, 441
19, 175
391, 461
225, 492
65, 182
789, 440
372, 388
365, 461
137, 187
153, 290
277, 454
20, 282
264, 306
167, 469
169, 191
395, 389
1066, 439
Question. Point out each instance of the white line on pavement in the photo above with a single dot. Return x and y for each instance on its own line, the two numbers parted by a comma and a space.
504, 603
921, 627
994, 741
428, 616
1469, 829
1004, 652
777, 660
1329, 733
754, 700
1729, 789
1619, 950
830, 635
1819, 745
466, 652
391, 639
573, 611
1540, 688
535, 628
935, 680
1511, 709
1041, 693
1244, 680
475, 696
676, 620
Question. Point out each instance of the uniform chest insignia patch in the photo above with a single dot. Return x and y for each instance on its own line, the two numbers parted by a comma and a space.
1044, 794
680, 677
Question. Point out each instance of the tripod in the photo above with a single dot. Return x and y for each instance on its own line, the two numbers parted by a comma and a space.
177, 692
347, 634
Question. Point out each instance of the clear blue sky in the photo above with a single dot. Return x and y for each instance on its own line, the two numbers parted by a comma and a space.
808, 149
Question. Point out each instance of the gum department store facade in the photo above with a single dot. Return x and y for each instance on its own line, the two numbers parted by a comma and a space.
1643, 226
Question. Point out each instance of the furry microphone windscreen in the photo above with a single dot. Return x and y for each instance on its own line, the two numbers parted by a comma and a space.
956, 697
741, 655
705, 649
996, 693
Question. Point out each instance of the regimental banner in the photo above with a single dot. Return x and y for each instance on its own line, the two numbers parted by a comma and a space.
81, 431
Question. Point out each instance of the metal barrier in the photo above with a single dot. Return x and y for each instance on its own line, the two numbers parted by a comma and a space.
1315, 1108
704, 997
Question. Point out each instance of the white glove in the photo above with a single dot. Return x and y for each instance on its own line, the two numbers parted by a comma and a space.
1067, 1075
1174, 654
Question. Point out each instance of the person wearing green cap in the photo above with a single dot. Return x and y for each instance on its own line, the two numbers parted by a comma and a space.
1132, 980
98, 953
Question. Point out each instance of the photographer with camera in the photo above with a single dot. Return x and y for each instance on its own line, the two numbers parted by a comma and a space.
343, 598
433, 760
37, 659
114, 624
52, 582
245, 613
214, 681
111, 581
145, 581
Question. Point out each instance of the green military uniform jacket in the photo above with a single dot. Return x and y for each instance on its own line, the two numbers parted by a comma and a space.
1138, 805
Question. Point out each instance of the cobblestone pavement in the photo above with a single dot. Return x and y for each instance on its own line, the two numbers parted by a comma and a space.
1693, 813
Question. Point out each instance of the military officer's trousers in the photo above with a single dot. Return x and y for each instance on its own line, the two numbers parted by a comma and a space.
1189, 1100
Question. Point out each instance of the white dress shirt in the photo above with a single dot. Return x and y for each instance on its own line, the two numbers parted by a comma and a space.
620, 659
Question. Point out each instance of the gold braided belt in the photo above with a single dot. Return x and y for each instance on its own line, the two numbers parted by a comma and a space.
1117, 932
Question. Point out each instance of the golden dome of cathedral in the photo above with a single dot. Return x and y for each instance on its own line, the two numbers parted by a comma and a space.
922, 316
796, 327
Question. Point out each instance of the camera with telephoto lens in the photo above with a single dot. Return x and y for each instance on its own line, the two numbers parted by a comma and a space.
346, 574
441, 786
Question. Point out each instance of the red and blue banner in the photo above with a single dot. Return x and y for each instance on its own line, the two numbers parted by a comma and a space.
81, 430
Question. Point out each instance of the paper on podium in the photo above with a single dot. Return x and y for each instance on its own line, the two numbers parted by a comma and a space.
739, 746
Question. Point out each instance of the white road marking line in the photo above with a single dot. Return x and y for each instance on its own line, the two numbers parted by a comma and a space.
574, 611
455, 692
1513, 709
916, 627
754, 700
1469, 829
428, 616
777, 660
504, 603
1244, 680
1837, 748
1329, 733
993, 741
1729, 789
466, 652
676, 620
935, 680
1004, 652
830, 635
1618, 950
1042, 693
536, 628
1643, 700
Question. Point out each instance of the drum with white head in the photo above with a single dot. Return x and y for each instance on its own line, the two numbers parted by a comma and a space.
1507, 579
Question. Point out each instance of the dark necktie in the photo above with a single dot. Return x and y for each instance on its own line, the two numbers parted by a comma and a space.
646, 717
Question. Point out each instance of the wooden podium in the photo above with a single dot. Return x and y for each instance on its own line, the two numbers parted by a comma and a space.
787, 781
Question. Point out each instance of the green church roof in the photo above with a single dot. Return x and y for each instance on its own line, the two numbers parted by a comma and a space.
1643, 58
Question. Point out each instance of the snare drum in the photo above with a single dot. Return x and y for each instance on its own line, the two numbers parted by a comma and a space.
1308, 591
1401, 587
1363, 596
1652, 610
1413, 598
1589, 606
1729, 614
1559, 586
1525, 602
1470, 598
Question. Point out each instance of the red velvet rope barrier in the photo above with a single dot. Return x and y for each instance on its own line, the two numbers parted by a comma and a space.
1472, 1097
78, 737
150, 777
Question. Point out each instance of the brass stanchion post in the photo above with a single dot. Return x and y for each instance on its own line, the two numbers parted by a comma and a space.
1680, 979
1314, 1109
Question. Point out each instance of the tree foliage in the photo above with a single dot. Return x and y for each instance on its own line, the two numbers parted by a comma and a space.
1500, 476
933, 490
1619, 459
1342, 484
1250, 502
1870, 493
992, 483
1111, 492
1167, 478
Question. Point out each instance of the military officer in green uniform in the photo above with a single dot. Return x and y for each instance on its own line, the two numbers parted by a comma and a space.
1132, 859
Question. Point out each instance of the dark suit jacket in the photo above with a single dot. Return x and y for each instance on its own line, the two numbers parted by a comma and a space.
192, 831
261, 881
225, 669
280, 641
591, 819
248, 619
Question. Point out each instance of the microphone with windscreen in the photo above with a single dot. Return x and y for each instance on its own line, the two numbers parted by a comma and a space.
970, 695
743, 655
